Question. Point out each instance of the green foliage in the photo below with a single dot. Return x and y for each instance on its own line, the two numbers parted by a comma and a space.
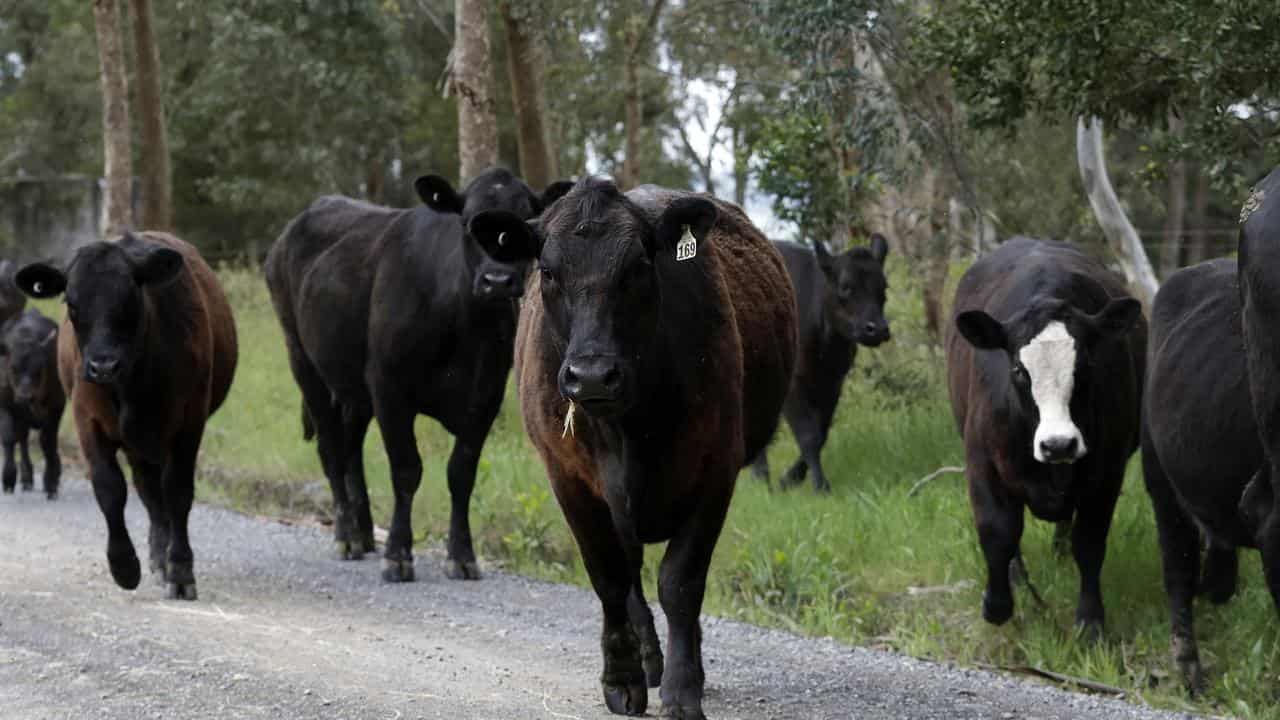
1212, 62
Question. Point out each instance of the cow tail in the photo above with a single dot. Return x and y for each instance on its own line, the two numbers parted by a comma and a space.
308, 428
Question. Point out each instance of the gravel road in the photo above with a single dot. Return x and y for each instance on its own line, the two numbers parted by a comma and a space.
283, 631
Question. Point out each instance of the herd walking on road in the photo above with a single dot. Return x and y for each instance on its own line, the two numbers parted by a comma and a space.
657, 338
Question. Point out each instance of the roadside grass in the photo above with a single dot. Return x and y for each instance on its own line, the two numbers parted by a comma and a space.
867, 565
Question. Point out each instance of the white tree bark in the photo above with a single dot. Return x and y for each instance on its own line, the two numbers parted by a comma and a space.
473, 85
1120, 233
117, 205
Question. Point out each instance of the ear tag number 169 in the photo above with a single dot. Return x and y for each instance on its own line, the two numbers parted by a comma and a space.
687, 248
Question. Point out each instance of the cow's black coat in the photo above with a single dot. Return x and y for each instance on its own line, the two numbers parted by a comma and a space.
31, 398
1002, 302
840, 300
394, 314
1200, 442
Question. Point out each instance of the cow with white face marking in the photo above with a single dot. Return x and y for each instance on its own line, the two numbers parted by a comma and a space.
1045, 365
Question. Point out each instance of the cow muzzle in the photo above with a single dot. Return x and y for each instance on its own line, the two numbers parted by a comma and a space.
597, 383
1059, 442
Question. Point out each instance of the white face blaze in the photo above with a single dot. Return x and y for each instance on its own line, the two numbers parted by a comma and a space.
1050, 361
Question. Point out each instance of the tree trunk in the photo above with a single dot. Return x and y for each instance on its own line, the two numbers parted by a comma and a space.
741, 167
1198, 238
471, 81
153, 156
373, 179
937, 255
117, 212
1121, 236
1176, 207
636, 42
525, 64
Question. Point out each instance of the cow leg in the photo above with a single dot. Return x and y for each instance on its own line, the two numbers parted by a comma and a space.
461, 563
27, 473
811, 434
9, 438
1180, 557
1089, 546
607, 563
52, 458
111, 492
760, 467
642, 619
148, 479
396, 424
355, 426
178, 487
1221, 572
682, 583
1000, 523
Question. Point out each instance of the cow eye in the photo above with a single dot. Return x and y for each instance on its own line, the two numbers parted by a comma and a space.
1019, 372
548, 277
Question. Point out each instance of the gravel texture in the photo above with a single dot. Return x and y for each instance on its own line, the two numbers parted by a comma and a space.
281, 630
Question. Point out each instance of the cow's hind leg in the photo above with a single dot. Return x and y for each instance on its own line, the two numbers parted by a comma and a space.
148, 479
396, 423
9, 438
682, 584
178, 483
355, 426
1180, 557
461, 563
811, 434
1000, 523
642, 620
606, 560
1221, 572
52, 458
26, 471
111, 492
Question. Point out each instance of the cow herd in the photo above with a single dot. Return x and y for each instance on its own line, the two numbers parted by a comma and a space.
657, 338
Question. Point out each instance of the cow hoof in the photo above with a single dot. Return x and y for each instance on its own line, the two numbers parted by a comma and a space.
368, 545
125, 570
347, 550
653, 669
51, 494
397, 571
680, 713
28, 487
464, 570
8, 489
626, 699
996, 612
1089, 631
180, 591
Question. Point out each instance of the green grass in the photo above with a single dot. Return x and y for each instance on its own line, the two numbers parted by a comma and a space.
850, 565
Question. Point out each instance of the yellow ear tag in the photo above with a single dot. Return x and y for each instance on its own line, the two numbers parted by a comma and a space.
687, 248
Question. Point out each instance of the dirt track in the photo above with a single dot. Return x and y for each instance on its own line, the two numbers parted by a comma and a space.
283, 631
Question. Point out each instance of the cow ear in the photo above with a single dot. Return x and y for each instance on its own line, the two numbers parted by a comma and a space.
41, 280
505, 237
552, 193
879, 247
1117, 317
981, 330
694, 215
156, 265
438, 194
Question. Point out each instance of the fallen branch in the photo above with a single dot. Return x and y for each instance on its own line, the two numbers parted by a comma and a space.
948, 470
1091, 685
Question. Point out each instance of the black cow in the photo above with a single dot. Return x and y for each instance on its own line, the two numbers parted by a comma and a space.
31, 397
1260, 308
147, 353
654, 353
391, 314
1200, 443
840, 299
1045, 366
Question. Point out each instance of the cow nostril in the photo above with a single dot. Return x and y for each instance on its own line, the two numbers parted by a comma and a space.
570, 375
612, 377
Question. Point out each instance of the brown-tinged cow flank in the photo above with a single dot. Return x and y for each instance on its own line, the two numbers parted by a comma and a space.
146, 353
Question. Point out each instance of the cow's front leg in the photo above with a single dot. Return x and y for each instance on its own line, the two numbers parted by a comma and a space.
1000, 522
1089, 546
